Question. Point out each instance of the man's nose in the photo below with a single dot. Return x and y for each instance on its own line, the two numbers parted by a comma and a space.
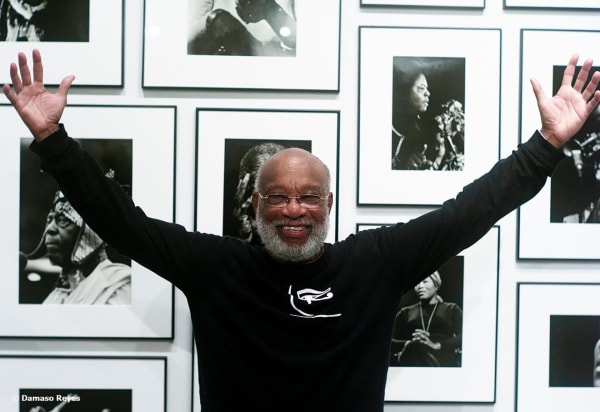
293, 208
51, 226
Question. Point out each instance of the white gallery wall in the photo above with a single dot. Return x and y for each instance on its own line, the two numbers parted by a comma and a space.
506, 97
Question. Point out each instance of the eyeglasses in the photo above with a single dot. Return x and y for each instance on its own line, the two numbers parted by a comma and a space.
61, 220
281, 200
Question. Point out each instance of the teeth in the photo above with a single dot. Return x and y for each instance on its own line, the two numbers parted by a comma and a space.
292, 228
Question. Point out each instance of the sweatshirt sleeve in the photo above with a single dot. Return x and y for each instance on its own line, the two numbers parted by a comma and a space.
163, 247
419, 247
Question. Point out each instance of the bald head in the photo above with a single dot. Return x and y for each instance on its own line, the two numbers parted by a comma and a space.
296, 166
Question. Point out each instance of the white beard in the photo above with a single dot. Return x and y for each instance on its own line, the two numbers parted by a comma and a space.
279, 249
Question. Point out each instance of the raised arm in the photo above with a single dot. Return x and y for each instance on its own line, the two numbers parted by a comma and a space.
564, 114
443, 233
163, 247
39, 109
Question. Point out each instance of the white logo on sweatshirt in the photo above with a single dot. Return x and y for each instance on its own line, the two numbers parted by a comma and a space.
309, 296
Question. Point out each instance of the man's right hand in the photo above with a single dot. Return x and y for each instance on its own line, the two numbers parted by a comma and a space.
563, 114
40, 110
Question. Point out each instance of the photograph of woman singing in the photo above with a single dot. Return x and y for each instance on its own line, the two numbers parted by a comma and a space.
428, 95
429, 332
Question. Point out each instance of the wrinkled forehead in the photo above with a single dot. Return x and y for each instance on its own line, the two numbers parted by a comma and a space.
293, 169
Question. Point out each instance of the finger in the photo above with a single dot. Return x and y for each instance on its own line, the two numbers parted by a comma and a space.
594, 101
592, 86
538, 91
64, 86
8, 93
15, 78
570, 70
24, 69
38, 68
583, 74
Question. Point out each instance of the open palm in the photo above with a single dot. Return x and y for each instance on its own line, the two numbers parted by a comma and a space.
39, 109
564, 114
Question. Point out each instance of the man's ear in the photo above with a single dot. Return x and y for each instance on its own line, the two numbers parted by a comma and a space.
254, 201
329, 202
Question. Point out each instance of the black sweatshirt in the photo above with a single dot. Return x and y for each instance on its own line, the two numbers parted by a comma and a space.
275, 336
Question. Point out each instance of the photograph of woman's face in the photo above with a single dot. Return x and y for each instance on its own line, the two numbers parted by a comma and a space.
426, 289
419, 94
428, 114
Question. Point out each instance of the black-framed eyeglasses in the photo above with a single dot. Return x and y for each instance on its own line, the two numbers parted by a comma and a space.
281, 200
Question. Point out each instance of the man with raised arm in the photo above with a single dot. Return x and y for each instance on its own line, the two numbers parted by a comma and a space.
297, 324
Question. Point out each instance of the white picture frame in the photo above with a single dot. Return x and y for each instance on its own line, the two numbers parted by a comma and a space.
475, 380
537, 304
378, 48
215, 126
537, 234
144, 377
195, 383
552, 4
150, 314
467, 4
106, 39
315, 65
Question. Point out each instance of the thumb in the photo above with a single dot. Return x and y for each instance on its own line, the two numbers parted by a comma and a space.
538, 91
65, 85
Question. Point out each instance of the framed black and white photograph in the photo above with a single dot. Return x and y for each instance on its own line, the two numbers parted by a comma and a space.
82, 384
469, 4
54, 241
571, 337
66, 281
552, 4
225, 44
568, 206
432, 131
558, 348
92, 30
464, 318
231, 146
434, 306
